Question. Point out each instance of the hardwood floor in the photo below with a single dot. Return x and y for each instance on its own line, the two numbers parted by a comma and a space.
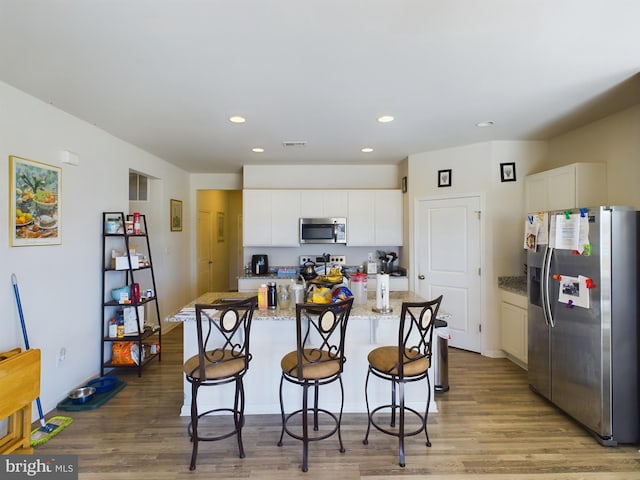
490, 426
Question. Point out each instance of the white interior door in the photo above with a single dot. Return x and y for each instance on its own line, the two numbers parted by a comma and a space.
203, 253
448, 263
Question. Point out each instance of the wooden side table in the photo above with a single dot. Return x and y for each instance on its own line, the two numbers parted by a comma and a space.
20, 384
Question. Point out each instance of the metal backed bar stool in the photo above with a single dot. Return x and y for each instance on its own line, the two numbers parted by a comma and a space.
408, 361
317, 360
223, 357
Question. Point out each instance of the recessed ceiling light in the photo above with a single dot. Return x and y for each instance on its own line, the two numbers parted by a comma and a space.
385, 119
257, 150
237, 119
366, 150
487, 123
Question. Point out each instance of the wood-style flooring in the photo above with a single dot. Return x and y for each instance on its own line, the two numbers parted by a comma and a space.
489, 426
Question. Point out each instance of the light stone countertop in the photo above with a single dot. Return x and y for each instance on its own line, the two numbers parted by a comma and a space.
513, 284
187, 313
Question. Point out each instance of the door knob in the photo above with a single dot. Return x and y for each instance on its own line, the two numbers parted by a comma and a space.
420, 277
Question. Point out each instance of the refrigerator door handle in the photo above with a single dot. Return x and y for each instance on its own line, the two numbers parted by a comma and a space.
546, 302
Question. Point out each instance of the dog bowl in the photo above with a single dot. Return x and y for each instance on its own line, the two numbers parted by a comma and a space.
103, 384
82, 395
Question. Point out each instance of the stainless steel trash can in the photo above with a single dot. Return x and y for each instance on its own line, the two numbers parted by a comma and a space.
441, 381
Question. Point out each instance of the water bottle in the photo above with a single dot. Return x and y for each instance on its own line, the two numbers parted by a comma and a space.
272, 295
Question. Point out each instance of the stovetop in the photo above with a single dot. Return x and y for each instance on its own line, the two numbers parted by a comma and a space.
319, 259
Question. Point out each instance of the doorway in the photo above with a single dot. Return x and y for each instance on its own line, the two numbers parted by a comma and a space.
448, 246
218, 240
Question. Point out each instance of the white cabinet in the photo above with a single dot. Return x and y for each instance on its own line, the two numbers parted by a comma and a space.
374, 218
513, 325
323, 203
571, 186
270, 217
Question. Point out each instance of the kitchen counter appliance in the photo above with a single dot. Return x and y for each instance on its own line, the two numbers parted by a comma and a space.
260, 264
323, 230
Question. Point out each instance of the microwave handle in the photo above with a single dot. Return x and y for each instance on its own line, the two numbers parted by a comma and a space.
335, 232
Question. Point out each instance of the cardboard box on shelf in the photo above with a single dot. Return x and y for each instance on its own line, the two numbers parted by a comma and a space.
122, 262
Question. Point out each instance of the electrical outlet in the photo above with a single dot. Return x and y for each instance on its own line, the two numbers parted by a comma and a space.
62, 355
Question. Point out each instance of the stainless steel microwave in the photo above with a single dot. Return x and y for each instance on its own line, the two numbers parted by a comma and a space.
323, 230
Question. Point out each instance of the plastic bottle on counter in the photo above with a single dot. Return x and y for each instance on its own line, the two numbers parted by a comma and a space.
359, 288
262, 297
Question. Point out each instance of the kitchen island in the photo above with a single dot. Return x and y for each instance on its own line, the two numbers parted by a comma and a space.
273, 334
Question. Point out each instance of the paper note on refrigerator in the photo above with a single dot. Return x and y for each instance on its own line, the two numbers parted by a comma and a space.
567, 232
531, 228
542, 219
573, 291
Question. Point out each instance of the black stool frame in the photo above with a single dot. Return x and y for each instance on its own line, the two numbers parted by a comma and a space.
222, 339
415, 339
328, 323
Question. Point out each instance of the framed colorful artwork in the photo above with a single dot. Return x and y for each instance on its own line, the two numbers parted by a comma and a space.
35, 213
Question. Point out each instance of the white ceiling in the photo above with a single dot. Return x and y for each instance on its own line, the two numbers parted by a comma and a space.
166, 74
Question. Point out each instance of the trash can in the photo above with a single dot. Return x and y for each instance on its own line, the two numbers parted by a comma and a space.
441, 381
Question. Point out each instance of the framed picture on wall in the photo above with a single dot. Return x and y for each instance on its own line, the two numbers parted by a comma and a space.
34, 203
175, 209
220, 226
444, 178
508, 172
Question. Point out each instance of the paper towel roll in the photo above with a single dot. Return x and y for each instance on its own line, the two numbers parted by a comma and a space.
382, 291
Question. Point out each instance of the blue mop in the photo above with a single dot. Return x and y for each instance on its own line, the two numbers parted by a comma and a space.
56, 424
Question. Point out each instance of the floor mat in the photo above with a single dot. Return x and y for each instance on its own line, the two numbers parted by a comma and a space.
98, 399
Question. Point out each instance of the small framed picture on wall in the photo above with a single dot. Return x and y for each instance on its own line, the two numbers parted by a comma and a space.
508, 172
444, 178
175, 214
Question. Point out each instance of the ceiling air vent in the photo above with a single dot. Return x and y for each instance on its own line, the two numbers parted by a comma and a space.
294, 143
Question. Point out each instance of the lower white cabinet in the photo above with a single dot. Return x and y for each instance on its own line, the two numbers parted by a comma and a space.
513, 325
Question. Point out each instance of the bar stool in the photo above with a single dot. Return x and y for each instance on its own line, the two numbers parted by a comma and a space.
408, 361
317, 360
223, 357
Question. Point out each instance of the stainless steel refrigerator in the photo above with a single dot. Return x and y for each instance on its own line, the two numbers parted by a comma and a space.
585, 360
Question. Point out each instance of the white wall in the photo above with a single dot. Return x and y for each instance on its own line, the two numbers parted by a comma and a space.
476, 169
60, 285
321, 176
614, 140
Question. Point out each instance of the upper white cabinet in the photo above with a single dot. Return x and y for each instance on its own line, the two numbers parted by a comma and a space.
270, 217
323, 203
572, 186
374, 218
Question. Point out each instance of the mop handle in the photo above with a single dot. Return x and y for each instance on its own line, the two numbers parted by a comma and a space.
14, 280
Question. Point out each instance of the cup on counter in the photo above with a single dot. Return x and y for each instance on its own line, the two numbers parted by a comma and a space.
284, 297
297, 293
